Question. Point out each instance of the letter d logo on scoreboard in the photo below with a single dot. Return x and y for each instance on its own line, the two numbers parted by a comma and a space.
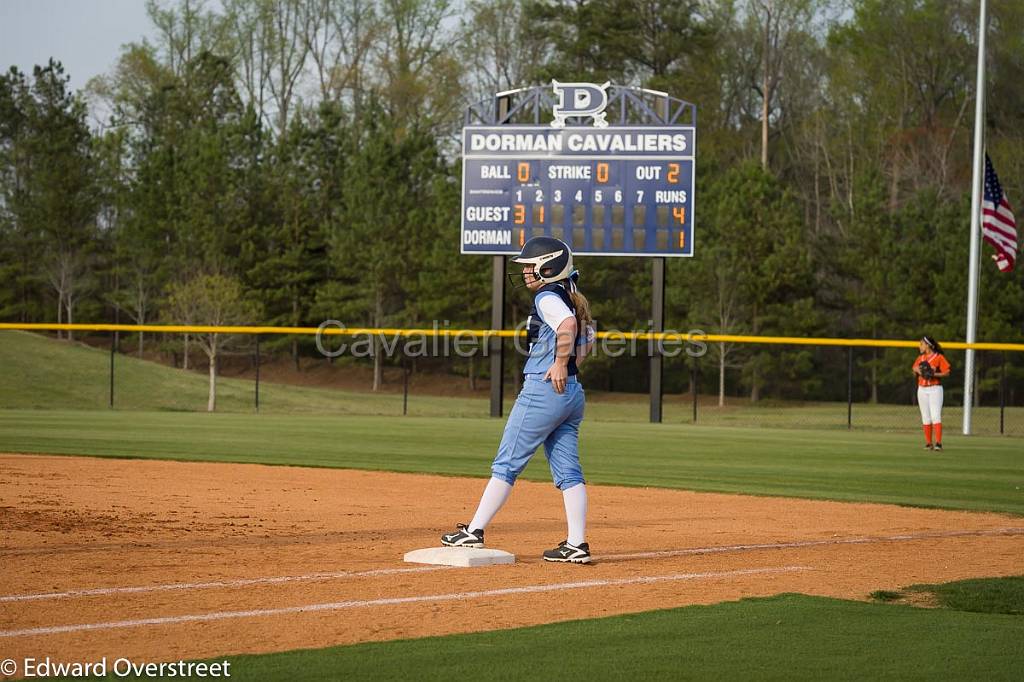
580, 99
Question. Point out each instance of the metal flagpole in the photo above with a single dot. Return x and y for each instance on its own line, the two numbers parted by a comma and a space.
977, 180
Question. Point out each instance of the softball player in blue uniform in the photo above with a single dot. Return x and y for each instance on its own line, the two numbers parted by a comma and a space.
549, 408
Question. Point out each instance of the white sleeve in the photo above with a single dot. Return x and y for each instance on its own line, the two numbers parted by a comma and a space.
552, 309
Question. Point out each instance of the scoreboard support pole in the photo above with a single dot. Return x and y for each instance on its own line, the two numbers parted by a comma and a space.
658, 323
496, 345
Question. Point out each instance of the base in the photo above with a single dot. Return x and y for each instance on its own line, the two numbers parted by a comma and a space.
459, 556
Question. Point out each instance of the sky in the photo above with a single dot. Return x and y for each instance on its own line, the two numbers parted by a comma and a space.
85, 35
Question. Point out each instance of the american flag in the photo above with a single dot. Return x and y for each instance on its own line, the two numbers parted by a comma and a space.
998, 227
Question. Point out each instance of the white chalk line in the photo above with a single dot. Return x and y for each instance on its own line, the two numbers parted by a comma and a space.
243, 582
796, 544
341, 605
312, 577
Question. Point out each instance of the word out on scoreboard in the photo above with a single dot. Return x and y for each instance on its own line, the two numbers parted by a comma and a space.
622, 191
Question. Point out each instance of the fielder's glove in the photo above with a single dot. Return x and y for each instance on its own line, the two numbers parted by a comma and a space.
927, 371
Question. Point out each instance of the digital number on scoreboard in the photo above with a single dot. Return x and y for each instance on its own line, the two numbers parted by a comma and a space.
614, 191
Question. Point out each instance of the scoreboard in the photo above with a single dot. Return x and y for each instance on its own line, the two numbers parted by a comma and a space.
612, 191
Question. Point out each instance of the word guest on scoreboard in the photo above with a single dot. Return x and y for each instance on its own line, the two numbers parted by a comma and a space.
623, 191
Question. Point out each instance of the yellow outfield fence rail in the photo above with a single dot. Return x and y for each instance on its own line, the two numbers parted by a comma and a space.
503, 333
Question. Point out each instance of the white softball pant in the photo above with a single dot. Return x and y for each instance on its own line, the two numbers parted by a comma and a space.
929, 399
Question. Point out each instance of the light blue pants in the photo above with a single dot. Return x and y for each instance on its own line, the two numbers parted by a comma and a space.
541, 415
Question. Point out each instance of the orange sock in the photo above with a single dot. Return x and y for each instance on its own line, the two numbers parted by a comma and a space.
928, 434
938, 432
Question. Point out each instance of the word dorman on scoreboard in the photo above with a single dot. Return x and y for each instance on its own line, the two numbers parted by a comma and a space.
615, 190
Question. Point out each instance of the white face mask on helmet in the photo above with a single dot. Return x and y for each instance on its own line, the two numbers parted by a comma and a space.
551, 259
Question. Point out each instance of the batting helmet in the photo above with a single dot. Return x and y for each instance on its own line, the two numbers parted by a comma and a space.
551, 259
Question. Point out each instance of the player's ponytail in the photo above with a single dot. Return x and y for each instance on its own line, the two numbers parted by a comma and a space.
934, 345
583, 317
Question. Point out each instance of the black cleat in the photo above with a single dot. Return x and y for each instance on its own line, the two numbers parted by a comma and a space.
938, 446
463, 537
569, 554
929, 446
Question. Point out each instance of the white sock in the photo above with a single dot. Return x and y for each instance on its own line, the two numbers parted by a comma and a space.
495, 494
575, 499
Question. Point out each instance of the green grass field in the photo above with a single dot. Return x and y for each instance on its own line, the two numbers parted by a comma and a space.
785, 637
52, 392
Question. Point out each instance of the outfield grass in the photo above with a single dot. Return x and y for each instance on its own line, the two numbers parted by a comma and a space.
42, 373
975, 473
784, 637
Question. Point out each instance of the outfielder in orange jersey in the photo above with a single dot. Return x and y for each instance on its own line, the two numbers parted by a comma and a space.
930, 367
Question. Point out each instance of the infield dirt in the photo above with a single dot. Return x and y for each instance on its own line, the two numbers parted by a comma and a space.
245, 559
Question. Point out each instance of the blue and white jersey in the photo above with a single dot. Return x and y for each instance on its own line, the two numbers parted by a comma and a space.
552, 305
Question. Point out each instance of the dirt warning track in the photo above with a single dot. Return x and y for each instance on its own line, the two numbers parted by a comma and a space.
156, 560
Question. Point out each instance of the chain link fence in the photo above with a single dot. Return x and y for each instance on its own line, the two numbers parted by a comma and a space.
734, 384
829, 387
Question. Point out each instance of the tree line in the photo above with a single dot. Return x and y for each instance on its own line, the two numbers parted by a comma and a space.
283, 162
